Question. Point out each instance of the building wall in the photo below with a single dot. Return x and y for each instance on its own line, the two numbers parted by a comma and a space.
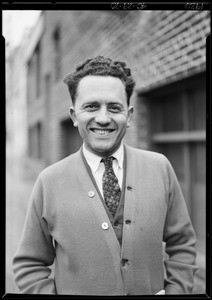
16, 110
163, 48
160, 47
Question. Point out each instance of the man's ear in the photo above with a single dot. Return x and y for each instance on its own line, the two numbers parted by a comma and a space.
130, 114
73, 116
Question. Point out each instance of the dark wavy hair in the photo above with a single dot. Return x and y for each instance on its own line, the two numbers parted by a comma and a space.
100, 66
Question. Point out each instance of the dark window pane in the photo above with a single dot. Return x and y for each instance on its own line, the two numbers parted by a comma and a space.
173, 114
175, 154
198, 162
38, 71
197, 109
57, 49
167, 114
198, 170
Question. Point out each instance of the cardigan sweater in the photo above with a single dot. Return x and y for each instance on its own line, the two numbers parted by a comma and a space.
65, 225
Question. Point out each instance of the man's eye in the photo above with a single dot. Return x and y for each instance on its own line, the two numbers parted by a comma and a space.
91, 107
115, 108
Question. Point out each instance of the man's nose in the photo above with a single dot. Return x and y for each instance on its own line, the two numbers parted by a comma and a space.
102, 117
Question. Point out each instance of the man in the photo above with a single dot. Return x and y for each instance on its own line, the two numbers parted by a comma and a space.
101, 214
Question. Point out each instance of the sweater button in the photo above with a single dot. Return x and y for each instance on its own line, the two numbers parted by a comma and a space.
128, 221
91, 194
124, 261
105, 225
116, 223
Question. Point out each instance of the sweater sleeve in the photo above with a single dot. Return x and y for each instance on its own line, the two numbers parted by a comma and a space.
180, 240
36, 251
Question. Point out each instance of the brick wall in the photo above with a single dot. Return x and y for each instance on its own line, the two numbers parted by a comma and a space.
173, 46
159, 46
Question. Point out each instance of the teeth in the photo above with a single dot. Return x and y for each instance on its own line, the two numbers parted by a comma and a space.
101, 132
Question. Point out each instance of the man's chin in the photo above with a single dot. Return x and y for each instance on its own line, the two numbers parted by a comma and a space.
104, 150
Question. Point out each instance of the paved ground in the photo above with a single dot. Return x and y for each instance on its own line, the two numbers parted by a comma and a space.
20, 178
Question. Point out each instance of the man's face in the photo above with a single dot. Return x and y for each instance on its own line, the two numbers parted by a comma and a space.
101, 113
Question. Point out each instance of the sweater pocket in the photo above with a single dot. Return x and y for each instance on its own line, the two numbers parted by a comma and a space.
142, 282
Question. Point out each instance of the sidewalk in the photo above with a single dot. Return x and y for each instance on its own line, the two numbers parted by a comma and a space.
20, 177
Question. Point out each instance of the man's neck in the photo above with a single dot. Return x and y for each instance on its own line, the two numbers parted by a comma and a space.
105, 154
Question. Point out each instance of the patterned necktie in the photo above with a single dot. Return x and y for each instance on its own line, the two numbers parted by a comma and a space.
110, 185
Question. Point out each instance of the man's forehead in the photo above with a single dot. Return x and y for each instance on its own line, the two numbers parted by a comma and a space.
96, 80
93, 88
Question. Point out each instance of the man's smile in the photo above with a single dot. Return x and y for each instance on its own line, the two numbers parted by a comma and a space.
98, 131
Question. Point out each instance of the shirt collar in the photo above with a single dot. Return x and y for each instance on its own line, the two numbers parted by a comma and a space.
94, 160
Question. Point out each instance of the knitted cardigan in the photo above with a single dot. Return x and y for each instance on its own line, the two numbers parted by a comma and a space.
65, 225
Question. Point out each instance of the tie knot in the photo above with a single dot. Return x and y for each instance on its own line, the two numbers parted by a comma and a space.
108, 161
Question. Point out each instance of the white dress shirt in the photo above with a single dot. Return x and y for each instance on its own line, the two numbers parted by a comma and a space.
98, 167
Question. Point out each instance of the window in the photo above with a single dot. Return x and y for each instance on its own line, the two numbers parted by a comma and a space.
37, 70
35, 140
34, 75
39, 132
29, 81
57, 52
177, 117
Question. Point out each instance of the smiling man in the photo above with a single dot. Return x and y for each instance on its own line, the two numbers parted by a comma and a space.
101, 214
101, 113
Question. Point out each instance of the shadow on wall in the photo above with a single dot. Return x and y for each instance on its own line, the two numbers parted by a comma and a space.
71, 140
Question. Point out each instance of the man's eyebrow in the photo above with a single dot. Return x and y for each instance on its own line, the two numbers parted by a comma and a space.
116, 103
94, 102
90, 102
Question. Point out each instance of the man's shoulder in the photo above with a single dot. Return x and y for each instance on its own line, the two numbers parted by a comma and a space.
145, 154
60, 166
147, 160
